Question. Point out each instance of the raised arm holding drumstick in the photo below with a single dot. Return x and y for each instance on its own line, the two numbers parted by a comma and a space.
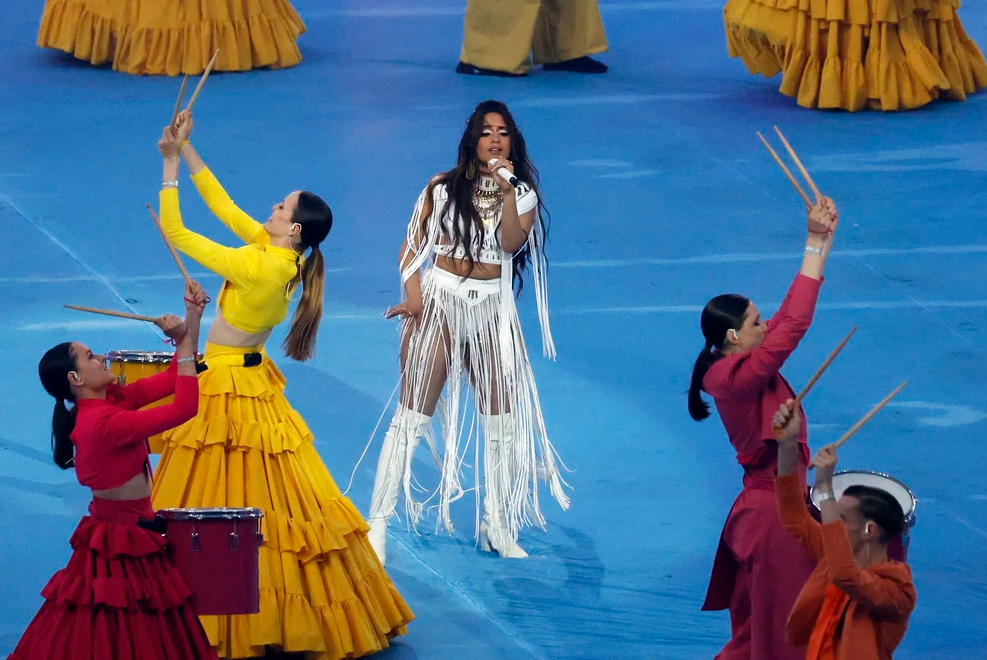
246, 424
758, 568
857, 602
103, 436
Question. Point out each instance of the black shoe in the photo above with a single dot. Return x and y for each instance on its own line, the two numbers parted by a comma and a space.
471, 70
578, 65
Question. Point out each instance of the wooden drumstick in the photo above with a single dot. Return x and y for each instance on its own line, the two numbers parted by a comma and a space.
108, 312
784, 168
171, 248
202, 81
798, 163
825, 365
866, 418
178, 103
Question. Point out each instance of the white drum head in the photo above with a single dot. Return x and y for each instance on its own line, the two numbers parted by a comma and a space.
843, 480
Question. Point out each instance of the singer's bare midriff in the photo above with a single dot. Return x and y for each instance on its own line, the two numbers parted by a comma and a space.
138, 487
461, 267
224, 334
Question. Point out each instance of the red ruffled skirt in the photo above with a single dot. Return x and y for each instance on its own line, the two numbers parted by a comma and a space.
119, 597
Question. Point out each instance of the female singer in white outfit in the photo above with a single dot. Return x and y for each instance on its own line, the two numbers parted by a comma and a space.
470, 238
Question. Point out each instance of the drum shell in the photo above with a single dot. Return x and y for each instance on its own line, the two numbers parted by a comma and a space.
217, 551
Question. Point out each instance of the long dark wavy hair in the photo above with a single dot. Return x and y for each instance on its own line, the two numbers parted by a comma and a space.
467, 226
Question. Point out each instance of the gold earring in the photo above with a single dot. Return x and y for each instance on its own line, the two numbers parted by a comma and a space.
471, 171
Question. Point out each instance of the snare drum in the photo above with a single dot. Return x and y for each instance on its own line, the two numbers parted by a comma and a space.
217, 551
898, 546
131, 366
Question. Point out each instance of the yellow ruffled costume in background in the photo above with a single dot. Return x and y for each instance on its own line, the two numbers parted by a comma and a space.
854, 54
322, 588
173, 37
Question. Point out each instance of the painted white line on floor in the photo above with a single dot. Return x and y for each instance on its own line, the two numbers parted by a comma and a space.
949, 415
753, 257
875, 304
727, 258
67, 250
125, 279
633, 174
966, 524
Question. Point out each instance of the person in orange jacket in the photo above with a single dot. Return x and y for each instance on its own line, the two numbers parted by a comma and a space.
856, 603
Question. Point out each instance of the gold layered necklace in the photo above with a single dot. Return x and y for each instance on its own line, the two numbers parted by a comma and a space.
488, 199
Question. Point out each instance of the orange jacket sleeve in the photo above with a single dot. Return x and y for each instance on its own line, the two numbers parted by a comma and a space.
889, 594
795, 516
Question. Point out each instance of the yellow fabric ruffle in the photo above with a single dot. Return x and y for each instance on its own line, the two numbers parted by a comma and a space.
322, 589
854, 54
163, 37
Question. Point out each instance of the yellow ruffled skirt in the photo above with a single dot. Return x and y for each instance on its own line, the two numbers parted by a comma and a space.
855, 54
322, 588
172, 37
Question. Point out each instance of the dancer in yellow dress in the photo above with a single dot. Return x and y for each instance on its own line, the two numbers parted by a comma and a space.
857, 54
170, 38
322, 589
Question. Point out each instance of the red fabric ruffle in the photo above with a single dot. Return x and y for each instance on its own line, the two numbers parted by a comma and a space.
119, 598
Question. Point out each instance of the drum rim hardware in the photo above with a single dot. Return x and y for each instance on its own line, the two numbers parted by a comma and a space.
910, 516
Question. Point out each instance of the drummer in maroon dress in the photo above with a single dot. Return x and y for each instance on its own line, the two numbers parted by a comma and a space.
119, 596
759, 569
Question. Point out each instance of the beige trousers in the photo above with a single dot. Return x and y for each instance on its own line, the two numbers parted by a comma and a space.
503, 35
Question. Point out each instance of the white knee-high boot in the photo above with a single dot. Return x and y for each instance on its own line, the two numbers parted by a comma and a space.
495, 532
406, 430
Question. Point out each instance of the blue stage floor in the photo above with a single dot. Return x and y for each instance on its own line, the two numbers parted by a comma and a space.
661, 197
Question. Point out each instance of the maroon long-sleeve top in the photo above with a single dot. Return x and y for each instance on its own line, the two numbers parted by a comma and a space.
748, 388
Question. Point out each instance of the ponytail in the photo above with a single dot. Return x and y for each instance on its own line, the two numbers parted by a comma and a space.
721, 314
53, 371
300, 342
315, 218
698, 408
62, 423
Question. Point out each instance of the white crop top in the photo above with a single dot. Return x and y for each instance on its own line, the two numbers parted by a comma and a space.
489, 252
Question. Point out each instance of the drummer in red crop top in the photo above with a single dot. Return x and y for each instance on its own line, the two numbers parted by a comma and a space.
119, 588
759, 569
108, 432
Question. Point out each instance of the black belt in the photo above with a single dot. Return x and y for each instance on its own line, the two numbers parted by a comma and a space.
158, 525
249, 360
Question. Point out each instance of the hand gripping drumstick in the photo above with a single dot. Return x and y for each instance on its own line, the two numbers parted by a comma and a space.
107, 312
178, 103
798, 163
825, 365
866, 418
781, 164
171, 248
202, 81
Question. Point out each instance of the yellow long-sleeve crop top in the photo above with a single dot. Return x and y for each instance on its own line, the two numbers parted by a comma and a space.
256, 292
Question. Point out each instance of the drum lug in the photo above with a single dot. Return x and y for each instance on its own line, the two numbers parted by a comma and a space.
195, 539
234, 539
122, 379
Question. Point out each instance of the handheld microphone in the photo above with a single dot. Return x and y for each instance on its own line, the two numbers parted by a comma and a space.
503, 172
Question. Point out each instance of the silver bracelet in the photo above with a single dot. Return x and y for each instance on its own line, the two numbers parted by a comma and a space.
169, 184
827, 495
187, 358
810, 249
